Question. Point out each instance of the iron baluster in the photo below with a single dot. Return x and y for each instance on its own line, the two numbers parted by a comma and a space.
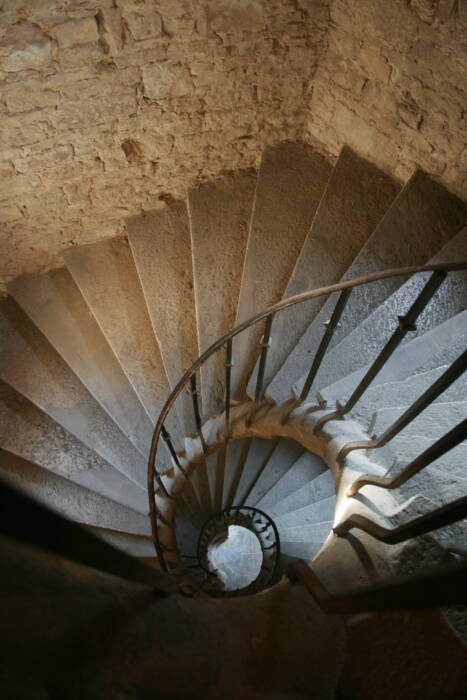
168, 441
444, 444
196, 412
228, 377
331, 326
441, 384
265, 344
406, 324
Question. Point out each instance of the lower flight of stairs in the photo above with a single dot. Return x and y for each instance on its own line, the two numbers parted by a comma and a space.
90, 352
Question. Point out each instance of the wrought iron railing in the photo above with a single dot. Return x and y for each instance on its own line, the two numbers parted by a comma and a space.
406, 323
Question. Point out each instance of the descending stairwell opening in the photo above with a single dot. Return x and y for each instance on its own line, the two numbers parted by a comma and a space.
236, 557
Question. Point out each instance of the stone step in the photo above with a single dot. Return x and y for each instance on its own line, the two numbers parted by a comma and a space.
299, 550
29, 433
106, 275
321, 487
434, 422
70, 500
220, 213
356, 198
54, 303
321, 511
312, 533
30, 365
436, 348
259, 453
284, 456
363, 344
306, 468
291, 181
404, 449
421, 220
161, 246
186, 535
237, 453
437, 482
136, 545
392, 394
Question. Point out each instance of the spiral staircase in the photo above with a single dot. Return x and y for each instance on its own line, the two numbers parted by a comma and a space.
329, 423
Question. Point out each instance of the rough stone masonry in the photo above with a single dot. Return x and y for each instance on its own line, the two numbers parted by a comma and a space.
109, 106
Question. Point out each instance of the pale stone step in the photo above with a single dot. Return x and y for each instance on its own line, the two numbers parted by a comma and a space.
237, 453
71, 500
321, 511
300, 550
259, 453
220, 213
405, 393
161, 246
316, 532
186, 535
436, 348
285, 454
306, 468
291, 181
106, 274
403, 449
362, 345
355, 200
136, 545
30, 365
434, 422
321, 487
421, 220
54, 303
440, 485
31, 434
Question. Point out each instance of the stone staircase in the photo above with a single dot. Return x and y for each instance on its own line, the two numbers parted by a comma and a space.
90, 352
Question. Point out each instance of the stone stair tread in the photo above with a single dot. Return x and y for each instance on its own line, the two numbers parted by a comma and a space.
161, 247
356, 197
220, 213
285, 454
236, 453
404, 449
30, 365
28, 433
455, 533
259, 451
421, 220
300, 550
315, 532
362, 345
405, 392
55, 305
436, 420
318, 512
135, 545
106, 275
291, 180
307, 467
71, 500
321, 487
436, 348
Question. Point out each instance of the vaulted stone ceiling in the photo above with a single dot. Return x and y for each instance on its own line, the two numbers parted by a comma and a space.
110, 106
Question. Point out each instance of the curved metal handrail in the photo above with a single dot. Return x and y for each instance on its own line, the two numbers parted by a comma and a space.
152, 474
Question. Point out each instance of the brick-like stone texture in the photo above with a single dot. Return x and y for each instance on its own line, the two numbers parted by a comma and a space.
392, 85
106, 105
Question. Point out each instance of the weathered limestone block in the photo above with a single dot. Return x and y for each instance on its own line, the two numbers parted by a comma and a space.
83, 31
161, 81
23, 47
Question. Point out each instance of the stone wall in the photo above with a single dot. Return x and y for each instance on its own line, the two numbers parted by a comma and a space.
392, 84
108, 105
